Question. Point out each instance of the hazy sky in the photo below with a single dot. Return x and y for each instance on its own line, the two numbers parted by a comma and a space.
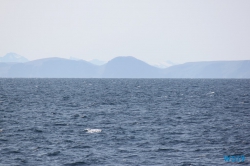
150, 30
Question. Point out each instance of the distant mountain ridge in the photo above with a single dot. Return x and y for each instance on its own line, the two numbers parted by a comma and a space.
53, 68
123, 67
163, 64
13, 57
129, 67
210, 69
97, 62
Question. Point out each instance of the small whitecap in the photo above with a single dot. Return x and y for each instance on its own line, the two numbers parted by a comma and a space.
1, 130
93, 130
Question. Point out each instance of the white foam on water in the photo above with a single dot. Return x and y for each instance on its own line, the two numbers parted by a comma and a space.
93, 130
210, 93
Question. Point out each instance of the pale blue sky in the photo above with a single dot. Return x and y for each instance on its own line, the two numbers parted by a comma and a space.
150, 30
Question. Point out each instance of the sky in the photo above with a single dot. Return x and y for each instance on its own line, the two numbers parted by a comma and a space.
151, 30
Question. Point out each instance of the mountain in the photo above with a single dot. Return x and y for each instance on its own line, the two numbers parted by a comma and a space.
4, 69
13, 57
53, 68
123, 67
97, 62
129, 67
163, 64
213, 69
93, 61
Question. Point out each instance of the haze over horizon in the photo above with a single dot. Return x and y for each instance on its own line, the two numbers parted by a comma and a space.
152, 31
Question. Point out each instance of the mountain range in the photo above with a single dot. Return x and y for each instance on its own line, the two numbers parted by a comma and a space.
13, 57
122, 67
163, 64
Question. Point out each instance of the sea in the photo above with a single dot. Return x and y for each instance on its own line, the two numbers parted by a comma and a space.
124, 122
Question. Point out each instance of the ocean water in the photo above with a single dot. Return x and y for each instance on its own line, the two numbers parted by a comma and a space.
123, 121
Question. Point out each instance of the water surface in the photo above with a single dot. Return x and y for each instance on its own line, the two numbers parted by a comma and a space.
123, 121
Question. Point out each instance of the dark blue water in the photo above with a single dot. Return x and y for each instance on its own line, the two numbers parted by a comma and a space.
136, 121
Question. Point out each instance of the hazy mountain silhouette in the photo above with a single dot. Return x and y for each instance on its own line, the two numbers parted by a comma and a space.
75, 59
129, 67
97, 62
163, 64
4, 69
123, 67
13, 57
53, 68
213, 69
